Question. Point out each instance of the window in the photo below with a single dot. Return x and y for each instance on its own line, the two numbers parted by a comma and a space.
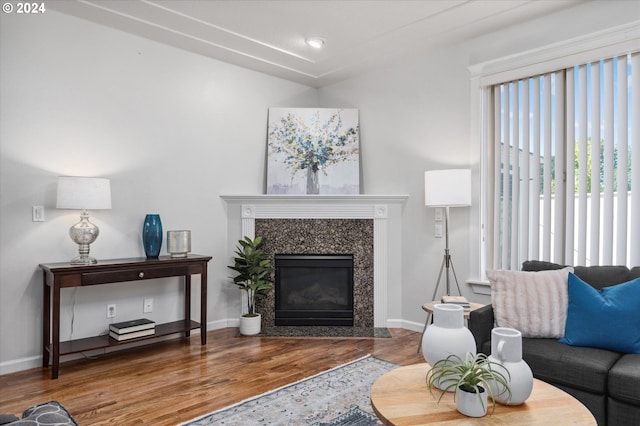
559, 169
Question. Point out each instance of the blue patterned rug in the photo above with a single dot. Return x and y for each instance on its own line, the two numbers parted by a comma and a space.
337, 397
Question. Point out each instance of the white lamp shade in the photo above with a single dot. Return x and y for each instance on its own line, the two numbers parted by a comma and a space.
447, 188
86, 193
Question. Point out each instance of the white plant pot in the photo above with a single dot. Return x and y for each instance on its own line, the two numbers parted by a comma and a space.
469, 404
250, 326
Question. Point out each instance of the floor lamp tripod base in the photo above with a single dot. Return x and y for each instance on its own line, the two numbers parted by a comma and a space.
447, 263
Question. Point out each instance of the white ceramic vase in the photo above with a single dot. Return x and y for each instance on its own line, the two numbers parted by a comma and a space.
506, 350
447, 335
250, 326
470, 404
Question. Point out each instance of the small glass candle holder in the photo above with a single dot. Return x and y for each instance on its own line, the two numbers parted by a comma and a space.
178, 243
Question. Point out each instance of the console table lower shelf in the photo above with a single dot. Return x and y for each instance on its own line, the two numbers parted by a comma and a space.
58, 276
101, 342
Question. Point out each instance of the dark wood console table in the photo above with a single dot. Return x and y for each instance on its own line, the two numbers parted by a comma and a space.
56, 276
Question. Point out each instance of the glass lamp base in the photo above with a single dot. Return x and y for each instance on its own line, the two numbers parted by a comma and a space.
84, 233
83, 260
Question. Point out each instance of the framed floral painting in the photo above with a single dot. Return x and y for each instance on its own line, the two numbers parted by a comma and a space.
313, 151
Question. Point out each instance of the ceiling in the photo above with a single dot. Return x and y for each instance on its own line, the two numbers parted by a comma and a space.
269, 35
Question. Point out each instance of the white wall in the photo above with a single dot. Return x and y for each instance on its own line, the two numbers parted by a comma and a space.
174, 130
171, 129
415, 116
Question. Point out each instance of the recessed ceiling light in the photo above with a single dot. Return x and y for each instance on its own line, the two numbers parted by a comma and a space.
315, 42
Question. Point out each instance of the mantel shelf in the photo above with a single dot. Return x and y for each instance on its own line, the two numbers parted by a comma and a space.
357, 198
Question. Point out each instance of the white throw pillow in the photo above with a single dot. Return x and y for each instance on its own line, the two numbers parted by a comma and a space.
535, 303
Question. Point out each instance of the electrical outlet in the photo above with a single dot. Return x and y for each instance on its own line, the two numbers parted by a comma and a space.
147, 306
111, 311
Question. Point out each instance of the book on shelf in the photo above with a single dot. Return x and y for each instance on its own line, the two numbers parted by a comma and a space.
457, 300
132, 326
132, 335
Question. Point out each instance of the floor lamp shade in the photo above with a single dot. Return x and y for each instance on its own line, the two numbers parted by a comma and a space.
447, 188
83, 193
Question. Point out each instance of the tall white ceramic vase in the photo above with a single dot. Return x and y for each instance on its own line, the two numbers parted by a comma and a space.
447, 335
506, 350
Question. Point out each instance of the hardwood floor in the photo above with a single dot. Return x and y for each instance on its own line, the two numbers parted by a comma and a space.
174, 381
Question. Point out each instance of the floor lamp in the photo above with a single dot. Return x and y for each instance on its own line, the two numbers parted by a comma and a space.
447, 188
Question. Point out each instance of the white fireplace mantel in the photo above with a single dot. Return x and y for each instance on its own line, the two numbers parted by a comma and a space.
385, 210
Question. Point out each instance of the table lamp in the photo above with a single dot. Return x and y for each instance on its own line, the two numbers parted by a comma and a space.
447, 188
83, 193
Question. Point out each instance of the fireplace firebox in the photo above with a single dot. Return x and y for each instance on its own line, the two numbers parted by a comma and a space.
314, 290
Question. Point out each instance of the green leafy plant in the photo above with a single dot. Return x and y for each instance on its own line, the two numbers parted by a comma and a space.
469, 374
254, 270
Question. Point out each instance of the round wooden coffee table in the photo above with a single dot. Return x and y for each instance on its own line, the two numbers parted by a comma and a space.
401, 397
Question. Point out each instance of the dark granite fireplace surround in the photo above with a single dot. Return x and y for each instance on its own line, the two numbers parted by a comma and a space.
323, 236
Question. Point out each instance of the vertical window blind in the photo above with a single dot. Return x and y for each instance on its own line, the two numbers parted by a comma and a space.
562, 183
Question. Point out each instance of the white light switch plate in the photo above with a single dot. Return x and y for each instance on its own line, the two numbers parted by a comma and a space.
37, 213
438, 214
438, 230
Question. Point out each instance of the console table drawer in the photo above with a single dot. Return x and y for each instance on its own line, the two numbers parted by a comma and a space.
103, 277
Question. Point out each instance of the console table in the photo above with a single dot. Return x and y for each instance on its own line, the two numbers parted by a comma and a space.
56, 276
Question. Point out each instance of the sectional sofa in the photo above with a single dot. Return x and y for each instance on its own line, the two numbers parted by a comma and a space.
606, 381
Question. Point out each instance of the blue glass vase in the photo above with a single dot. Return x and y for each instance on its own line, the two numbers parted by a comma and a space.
152, 235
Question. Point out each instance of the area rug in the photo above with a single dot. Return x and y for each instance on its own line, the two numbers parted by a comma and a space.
323, 331
337, 397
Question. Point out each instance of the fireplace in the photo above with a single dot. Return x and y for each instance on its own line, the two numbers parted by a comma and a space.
365, 225
318, 237
314, 289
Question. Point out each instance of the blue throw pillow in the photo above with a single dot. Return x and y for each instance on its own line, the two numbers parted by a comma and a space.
607, 318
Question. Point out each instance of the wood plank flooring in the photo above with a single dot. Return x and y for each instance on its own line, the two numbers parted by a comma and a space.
174, 381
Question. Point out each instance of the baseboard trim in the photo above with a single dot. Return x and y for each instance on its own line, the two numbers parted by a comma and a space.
407, 325
27, 363
20, 364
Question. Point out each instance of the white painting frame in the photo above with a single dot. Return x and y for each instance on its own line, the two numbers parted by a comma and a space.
313, 151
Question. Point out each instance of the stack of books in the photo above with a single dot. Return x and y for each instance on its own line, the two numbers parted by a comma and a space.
132, 329
457, 300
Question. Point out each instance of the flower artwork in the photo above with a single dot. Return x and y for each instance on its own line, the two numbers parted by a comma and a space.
313, 151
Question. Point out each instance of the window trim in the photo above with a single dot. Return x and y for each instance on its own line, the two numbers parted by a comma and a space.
591, 47
587, 48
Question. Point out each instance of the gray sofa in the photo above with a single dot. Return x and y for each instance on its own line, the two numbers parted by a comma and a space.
606, 382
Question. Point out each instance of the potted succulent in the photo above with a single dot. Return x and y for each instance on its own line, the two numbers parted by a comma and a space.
470, 378
254, 275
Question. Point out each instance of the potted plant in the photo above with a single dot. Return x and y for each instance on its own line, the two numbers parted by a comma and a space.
254, 269
469, 378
